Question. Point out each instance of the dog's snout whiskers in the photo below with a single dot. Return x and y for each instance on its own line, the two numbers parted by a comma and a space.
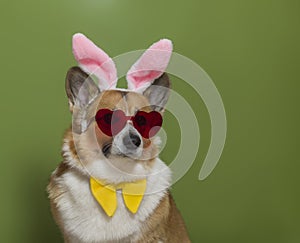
106, 149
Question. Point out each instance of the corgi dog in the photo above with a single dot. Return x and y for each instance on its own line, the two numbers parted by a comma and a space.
111, 185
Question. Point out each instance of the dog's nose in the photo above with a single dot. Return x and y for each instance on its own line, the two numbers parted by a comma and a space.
132, 141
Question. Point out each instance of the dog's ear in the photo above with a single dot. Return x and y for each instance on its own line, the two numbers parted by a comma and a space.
158, 92
80, 88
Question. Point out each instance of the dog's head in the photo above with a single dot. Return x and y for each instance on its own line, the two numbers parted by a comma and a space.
117, 127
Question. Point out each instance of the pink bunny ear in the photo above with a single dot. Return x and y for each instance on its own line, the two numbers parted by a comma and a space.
95, 61
150, 66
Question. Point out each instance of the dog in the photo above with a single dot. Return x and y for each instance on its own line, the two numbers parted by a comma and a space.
111, 185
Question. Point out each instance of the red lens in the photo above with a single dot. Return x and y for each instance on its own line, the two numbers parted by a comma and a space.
148, 124
110, 122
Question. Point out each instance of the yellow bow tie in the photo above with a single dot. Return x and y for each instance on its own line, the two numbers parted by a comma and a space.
106, 195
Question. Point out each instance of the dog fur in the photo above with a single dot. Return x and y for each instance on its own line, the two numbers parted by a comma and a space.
75, 210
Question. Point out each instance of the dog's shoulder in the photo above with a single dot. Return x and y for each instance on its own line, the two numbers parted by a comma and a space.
165, 224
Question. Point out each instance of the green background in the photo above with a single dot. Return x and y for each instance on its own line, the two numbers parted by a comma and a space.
249, 48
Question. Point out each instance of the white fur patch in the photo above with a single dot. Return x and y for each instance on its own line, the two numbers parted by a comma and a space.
84, 219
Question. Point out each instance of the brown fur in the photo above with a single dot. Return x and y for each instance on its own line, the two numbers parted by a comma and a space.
165, 224
55, 191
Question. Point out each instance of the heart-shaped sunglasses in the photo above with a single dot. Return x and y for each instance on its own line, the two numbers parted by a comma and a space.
112, 122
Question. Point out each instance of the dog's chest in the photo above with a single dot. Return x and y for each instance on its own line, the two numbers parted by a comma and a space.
85, 220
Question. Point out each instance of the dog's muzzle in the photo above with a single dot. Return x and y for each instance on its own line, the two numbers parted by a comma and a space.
131, 141
128, 143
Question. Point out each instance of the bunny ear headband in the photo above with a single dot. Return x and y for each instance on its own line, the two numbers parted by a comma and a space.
150, 66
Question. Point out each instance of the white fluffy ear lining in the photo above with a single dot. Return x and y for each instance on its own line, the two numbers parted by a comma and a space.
95, 61
150, 66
